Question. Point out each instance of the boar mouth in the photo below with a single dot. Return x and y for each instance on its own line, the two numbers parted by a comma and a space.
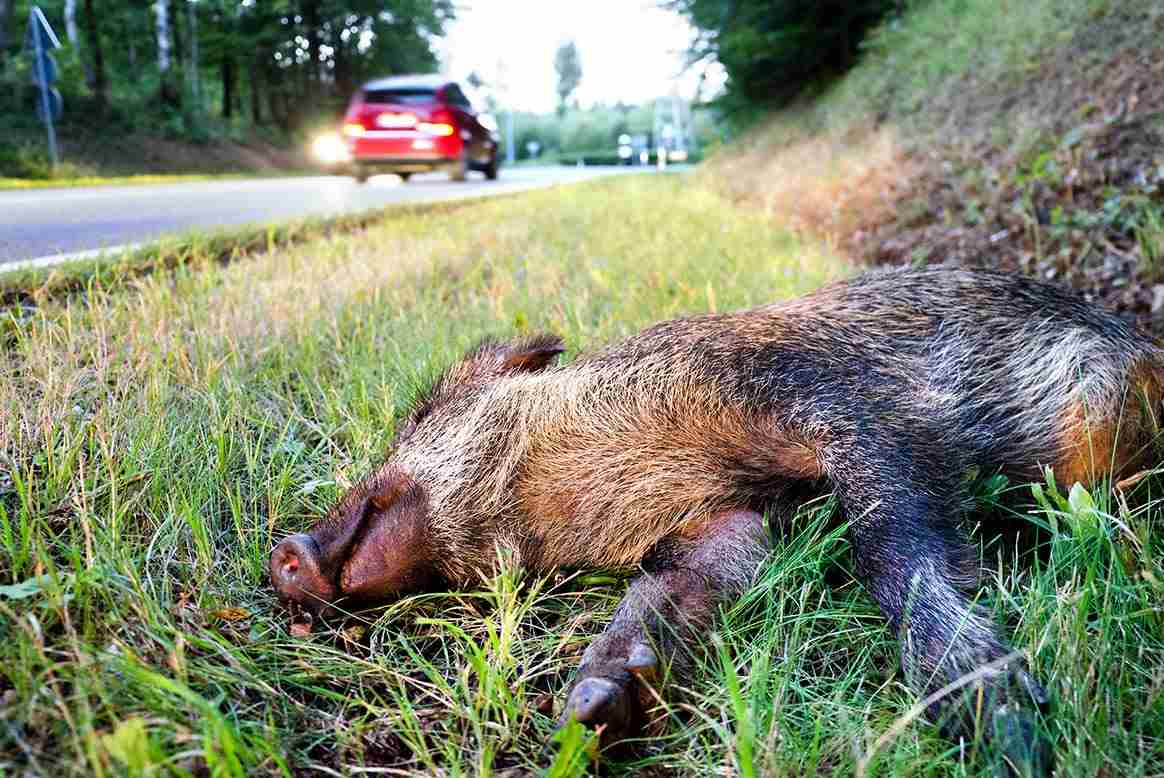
300, 574
313, 583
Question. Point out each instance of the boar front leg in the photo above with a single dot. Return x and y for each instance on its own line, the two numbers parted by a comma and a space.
685, 578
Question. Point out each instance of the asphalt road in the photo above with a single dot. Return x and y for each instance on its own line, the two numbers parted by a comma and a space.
42, 224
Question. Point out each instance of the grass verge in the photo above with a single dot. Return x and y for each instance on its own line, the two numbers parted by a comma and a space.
25, 288
156, 438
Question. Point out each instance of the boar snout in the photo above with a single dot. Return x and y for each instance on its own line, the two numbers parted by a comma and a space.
297, 575
373, 547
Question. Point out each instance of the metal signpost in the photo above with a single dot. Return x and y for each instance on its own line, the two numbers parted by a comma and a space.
510, 139
41, 40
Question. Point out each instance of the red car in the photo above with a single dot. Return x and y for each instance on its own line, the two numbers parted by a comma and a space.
413, 124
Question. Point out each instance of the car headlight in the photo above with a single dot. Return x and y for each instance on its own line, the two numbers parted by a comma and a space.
330, 149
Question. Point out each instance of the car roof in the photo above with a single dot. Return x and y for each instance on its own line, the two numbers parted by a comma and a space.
409, 82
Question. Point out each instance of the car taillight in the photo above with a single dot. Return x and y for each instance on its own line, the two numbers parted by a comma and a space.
354, 129
440, 129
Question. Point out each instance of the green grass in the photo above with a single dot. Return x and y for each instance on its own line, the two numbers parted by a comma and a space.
917, 68
194, 250
158, 436
929, 54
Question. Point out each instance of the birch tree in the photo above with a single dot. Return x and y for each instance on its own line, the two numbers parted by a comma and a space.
162, 34
73, 35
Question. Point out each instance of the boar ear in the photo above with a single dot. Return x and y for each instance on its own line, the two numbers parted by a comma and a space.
387, 489
529, 355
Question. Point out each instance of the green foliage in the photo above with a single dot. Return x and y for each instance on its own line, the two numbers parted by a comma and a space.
577, 749
29, 161
773, 51
284, 63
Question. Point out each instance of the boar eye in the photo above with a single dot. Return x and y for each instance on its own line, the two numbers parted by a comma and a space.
405, 429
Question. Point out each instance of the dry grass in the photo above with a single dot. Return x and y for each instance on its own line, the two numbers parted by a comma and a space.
825, 185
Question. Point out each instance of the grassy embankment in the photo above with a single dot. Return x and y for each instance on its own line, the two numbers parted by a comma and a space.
1023, 135
158, 432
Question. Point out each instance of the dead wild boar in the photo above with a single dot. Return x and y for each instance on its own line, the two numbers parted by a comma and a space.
673, 452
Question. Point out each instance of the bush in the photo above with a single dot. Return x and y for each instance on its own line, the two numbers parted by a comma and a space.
24, 162
31, 161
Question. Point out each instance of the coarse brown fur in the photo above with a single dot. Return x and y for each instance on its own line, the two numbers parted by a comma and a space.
661, 451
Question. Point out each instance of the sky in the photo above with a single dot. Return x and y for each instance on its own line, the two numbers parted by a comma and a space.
631, 50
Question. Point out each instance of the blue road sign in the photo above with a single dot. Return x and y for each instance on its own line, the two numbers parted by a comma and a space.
40, 40
45, 68
39, 35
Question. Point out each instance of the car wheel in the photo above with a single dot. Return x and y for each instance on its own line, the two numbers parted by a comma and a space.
360, 174
492, 169
460, 170
404, 177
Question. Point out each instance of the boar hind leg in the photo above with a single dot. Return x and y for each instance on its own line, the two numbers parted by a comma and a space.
685, 578
915, 562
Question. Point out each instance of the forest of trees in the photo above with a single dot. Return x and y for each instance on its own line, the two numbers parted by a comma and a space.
773, 50
181, 63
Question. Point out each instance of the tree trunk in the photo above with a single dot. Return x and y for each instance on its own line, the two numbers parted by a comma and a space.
343, 69
179, 41
195, 74
256, 92
311, 23
74, 39
100, 83
71, 23
162, 36
167, 90
131, 42
228, 87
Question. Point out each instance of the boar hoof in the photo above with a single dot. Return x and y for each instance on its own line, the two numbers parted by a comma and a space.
615, 698
1022, 751
601, 702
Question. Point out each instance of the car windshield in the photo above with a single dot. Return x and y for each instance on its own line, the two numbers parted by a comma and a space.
400, 96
